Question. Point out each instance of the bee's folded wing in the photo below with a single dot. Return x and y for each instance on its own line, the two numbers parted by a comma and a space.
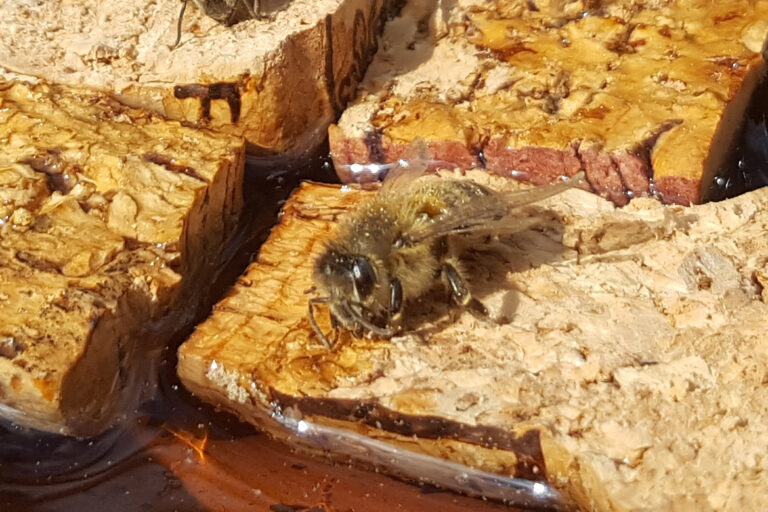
522, 197
481, 215
412, 164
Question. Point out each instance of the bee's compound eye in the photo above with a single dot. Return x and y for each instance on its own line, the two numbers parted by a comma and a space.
364, 276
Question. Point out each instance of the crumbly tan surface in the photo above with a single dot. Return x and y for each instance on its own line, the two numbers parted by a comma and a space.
107, 214
630, 372
644, 95
277, 81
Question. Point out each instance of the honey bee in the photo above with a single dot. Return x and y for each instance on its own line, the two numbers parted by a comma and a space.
227, 12
393, 249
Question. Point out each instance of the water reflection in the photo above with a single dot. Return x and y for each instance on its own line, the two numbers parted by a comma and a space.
746, 167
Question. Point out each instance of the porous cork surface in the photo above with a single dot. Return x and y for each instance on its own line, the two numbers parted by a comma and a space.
645, 96
630, 372
107, 215
278, 81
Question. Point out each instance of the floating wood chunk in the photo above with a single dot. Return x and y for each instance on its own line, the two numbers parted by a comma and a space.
647, 97
277, 80
108, 216
627, 368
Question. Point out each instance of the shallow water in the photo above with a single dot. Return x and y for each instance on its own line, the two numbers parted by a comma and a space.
180, 454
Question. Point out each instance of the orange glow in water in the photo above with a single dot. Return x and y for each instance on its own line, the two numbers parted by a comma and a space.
194, 442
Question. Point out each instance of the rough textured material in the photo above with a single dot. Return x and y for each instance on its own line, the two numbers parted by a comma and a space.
630, 372
107, 214
646, 96
278, 81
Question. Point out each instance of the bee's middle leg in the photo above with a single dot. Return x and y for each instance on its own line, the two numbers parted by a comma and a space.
460, 291
252, 7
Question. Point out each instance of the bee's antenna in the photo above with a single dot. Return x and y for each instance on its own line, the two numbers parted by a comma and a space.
313, 323
178, 24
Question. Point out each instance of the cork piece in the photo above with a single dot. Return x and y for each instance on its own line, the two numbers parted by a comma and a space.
627, 367
108, 216
645, 96
278, 80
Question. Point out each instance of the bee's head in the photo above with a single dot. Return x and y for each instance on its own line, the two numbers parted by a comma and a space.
345, 275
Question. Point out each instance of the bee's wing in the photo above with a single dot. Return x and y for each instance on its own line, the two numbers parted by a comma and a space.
479, 215
517, 198
411, 165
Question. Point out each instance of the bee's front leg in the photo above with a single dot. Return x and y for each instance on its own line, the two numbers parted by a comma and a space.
335, 324
313, 322
460, 291
358, 331
395, 310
